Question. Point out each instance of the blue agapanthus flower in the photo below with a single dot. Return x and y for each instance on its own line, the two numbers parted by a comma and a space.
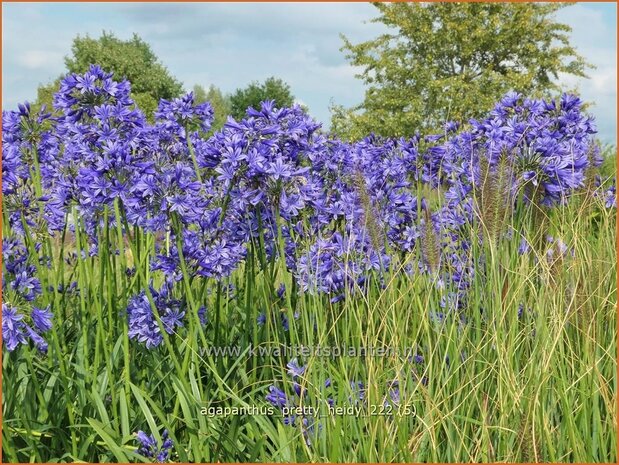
42, 318
17, 329
277, 397
548, 144
610, 196
13, 327
143, 325
294, 369
181, 114
150, 448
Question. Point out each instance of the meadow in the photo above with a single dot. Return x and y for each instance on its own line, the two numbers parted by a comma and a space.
269, 293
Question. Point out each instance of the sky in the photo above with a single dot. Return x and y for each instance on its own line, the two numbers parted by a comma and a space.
231, 44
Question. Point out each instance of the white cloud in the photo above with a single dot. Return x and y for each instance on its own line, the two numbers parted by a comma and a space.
38, 59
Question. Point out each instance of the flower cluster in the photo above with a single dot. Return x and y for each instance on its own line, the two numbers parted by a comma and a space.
609, 196
22, 319
149, 446
548, 147
16, 331
143, 324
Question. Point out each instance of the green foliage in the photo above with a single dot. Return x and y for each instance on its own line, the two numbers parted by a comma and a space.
452, 61
219, 102
343, 123
609, 166
45, 95
254, 93
131, 59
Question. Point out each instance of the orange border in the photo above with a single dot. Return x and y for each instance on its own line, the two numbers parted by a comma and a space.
301, 1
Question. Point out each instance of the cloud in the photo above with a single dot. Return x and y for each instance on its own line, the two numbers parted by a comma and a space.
38, 59
263, 21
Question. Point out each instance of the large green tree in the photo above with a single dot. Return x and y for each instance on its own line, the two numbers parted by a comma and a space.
452, 61
132, 59
254, 93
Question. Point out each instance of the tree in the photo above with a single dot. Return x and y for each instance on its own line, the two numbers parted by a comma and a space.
219, 102
254, 93
131, 59
453, 61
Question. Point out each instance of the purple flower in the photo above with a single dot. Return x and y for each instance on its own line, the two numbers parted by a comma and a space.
277, 397
294, 369
547, 144
524, 246
202, 315
279, 169
143, 325
610, 196
173, 318
149, 447
36, 338
13, 328
42, 318
281, 291
181, 113
26, 284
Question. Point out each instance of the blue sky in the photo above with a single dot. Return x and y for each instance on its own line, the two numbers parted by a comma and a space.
231, 44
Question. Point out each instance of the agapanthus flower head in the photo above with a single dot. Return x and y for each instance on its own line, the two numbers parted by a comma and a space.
26, 136
13, 327
277, 397
150, 448
16, 329
183, 113
143, 325
262, 162
344, 262
14, 254
294, 369
80, 94
610, 195
548, 143
42, 318
25, 283
211, 254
